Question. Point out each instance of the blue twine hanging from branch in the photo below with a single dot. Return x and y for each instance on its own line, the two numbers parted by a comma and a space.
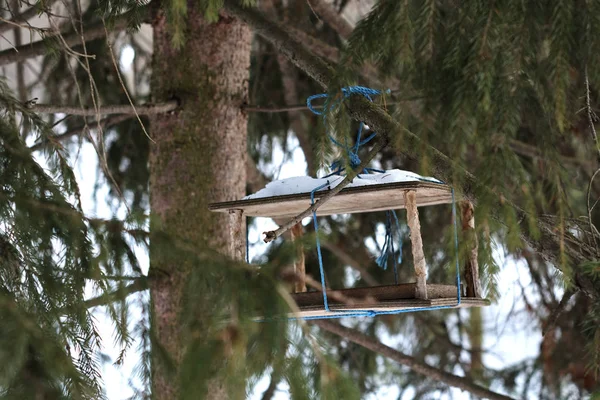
354, 161
388, 244
351, 151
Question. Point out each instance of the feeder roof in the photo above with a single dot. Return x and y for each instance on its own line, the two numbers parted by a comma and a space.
367, 193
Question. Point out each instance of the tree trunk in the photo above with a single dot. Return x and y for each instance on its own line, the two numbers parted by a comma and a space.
199, 156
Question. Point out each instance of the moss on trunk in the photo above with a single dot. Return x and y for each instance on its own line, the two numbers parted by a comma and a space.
199, 156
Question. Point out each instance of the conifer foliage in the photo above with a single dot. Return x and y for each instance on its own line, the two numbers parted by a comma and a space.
498, 98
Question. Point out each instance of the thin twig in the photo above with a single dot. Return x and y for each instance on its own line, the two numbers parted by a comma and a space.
591, 116
126, 109
304, 107
590, 113
558, 310
106, 123
26, 15
114, 61
23, 25
41, 46
277, 109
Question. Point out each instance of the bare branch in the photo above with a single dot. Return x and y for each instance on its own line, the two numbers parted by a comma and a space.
119, 294
591, 117
433, 373
558, 310
148, 109
105, 123
333, 19
590, 113
41, 47
23, 17
276, 109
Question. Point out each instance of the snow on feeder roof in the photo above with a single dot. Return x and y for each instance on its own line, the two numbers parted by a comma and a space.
367, 193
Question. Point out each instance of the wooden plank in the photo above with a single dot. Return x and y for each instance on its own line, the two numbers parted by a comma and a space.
370, 198
299, 266
237, 235
398, 305
372, 295
412, 217
471, 263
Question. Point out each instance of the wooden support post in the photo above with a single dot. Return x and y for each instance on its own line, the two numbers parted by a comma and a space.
471, 264
412, 214
299, 267
237, 232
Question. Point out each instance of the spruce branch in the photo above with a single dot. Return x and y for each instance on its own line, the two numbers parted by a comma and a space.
549, 243
127, 109
430, 372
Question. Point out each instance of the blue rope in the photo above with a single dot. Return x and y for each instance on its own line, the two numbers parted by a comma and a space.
321, 269
351, 151
388, 244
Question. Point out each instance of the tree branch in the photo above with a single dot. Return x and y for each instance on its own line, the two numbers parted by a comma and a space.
137, 286
147, 109
40, 47
558, 310
401, 358
26, 15
548, 244
105, 123
333, 19
314, 66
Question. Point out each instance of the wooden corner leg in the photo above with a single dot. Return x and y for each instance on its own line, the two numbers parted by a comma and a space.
471, 264
299, 267
412, 214
237, 232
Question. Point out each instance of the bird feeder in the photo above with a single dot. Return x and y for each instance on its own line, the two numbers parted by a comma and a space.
376, 196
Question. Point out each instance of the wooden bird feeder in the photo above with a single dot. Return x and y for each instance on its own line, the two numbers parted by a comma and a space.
375, 197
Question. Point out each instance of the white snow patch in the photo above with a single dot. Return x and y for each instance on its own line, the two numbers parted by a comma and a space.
306, 184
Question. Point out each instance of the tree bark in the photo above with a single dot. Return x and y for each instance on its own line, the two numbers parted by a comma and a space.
199, 157
412, 216
471, 263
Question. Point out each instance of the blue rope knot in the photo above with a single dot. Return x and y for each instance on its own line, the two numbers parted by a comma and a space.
354, 160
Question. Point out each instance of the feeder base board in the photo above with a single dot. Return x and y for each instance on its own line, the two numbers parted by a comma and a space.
380, 298
406, 304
